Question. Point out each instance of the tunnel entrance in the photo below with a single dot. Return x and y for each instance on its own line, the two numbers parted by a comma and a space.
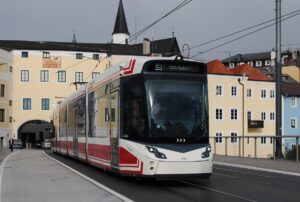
33, 133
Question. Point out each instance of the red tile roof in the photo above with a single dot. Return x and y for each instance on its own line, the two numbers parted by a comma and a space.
251, 72
217, 67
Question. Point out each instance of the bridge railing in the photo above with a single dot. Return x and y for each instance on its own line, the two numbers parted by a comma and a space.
255, 146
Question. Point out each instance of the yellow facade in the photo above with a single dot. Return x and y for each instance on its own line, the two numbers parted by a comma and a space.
53, 90
292, 71
5, 120
235, 101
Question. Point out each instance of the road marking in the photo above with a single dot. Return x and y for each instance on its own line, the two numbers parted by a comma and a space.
256, 168
220, 192
120, 196
2, 169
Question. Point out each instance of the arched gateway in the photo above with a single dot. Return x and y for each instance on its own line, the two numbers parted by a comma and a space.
34, 132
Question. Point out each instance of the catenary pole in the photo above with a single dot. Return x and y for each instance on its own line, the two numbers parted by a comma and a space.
278, 152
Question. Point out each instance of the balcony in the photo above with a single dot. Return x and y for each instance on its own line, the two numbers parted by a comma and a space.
255, 124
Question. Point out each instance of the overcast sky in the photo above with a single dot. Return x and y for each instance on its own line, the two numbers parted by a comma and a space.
198, 22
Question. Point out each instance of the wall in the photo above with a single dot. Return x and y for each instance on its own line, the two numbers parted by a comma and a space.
54, 90
255, 104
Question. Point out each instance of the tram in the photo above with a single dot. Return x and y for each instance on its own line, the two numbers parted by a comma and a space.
147, 117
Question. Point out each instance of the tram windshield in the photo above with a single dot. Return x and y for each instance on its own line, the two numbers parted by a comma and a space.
163, 108
177, 108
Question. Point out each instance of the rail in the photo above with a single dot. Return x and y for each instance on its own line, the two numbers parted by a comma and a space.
250, 147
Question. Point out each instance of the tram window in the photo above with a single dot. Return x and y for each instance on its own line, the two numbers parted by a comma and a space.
134, 109
113, 115
106, 115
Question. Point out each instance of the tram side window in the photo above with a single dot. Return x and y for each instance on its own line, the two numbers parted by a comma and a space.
134, 110
80, 117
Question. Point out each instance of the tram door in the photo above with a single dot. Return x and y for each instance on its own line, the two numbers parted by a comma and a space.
114, 127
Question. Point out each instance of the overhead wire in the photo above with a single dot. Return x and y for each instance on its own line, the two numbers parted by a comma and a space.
242, 30
137, 34
243, 36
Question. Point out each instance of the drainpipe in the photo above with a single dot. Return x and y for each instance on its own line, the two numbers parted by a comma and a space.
243, 114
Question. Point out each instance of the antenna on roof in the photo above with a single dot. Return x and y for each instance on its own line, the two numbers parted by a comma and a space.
173, 32
74, 37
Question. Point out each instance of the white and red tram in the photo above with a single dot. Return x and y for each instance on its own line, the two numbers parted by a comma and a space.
147, 119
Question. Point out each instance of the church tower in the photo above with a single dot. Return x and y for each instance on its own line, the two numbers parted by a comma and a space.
120, 34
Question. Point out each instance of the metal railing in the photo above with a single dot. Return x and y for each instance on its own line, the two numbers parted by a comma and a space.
236, 140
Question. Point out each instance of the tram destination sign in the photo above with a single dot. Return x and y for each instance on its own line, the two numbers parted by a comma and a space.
175, 66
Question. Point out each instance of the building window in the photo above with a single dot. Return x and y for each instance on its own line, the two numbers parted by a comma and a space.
293, 123
219, 90
271, 140
263, 93
250, 63
263, 116
272, 116
44, 76
46, 55
218, 137
233, 91
45, 103
24, 54
79, 56
219, 114
258, 64
10, 103
293, 102
26, 103
267, 62
241, 63
249, 115
2, 93
24, 75
233, 137
78, 76
10, 69
61, 76
231, 65
249, 92
233, 114
96, 57
10, 119
2, 115
263, 140
272, 93
95, 74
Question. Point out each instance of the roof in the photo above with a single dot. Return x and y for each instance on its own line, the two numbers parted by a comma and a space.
251, 72
291, 89
248, 57
217, 67
166, 47
121, 23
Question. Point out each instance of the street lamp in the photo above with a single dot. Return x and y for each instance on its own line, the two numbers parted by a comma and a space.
188, 48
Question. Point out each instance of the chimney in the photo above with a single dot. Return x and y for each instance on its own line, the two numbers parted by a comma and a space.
146, 46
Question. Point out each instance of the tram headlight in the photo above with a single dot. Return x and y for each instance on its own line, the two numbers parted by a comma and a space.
157, 153
206, 153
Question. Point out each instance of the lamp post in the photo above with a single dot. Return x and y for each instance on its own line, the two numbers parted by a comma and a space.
278, 82
188, 48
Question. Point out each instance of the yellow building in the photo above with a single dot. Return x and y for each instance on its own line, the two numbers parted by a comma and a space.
5, 99
241, 107
38, 75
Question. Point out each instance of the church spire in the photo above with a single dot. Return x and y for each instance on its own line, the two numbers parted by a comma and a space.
120, 33
74, 37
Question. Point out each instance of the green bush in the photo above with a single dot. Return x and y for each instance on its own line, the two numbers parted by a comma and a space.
291, 154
